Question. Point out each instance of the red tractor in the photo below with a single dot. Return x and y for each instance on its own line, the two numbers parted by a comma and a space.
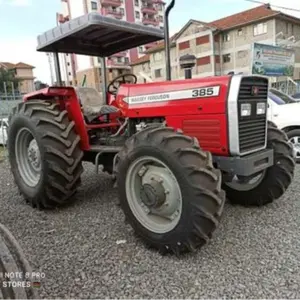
175, 148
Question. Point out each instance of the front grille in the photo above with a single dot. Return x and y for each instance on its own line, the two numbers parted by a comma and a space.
252, 129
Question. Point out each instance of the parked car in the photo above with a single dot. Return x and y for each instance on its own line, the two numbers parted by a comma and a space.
282, 95
296, 96
284, 111
3, 131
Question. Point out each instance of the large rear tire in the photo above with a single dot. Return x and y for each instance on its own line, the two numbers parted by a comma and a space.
169, 190
44, 153
274, 181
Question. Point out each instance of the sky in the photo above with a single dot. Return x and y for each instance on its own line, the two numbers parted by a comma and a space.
21, 21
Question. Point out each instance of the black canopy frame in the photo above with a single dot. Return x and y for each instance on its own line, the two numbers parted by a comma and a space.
96, 35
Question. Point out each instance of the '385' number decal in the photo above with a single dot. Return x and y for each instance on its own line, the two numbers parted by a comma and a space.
206, 92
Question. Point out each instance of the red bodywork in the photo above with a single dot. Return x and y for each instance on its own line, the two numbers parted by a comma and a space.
203, 118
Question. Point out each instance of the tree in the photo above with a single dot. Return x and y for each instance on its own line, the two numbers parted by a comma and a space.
8, 81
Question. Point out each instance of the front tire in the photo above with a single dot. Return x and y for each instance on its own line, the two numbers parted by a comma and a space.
169, 190
44, 154
274, 181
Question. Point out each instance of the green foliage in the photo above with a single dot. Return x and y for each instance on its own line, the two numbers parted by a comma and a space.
256, 70
8, 77
289, 71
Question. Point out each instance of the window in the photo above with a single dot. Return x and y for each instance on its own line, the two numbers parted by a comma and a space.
122, 10
136, 2
280, 97
184, 45
157, 56
226, 37
240, 32
94, 5
68, 64
141, 49
137, 14
161, 19
259, 29
157, 73
202, 61
226, 58
70, 73
242, 54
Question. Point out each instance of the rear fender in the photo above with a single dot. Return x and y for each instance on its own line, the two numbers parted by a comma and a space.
67, 98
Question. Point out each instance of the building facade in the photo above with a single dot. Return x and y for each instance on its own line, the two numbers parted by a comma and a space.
24, 73
77, 67
224, 45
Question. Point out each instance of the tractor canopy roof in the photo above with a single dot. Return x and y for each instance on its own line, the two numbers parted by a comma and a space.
96, 35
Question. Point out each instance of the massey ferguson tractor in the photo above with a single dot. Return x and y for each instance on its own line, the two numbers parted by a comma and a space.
176, 149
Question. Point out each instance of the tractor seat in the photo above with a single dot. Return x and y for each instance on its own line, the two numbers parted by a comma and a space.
93, 103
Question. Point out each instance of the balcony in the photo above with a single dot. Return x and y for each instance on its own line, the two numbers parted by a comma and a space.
115, 64
113, 13
115, 3
150, 10
120, 54
150, 21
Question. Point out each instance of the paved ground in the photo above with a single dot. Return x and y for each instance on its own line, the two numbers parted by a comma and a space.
255, 253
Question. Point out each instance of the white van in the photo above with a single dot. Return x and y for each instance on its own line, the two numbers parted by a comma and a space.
284, 111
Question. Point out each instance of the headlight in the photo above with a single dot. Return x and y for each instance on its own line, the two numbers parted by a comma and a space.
261, 108
245, 109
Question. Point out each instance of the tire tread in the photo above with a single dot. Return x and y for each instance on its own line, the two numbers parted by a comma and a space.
204, 183
63, 155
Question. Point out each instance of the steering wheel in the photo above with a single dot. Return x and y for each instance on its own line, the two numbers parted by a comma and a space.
122, 79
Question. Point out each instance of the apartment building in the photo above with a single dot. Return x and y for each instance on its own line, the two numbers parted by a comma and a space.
76, 67
224, 45
24, 73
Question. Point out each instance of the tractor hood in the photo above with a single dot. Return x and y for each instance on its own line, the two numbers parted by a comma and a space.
96, 35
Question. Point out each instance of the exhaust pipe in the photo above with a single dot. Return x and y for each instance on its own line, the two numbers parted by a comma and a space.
167, 40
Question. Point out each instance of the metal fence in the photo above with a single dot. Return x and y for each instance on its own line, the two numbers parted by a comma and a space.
7, 102
288, 86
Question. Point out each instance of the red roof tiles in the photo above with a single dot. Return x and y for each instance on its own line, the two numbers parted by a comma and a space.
19, 65
141, 60
247, 16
